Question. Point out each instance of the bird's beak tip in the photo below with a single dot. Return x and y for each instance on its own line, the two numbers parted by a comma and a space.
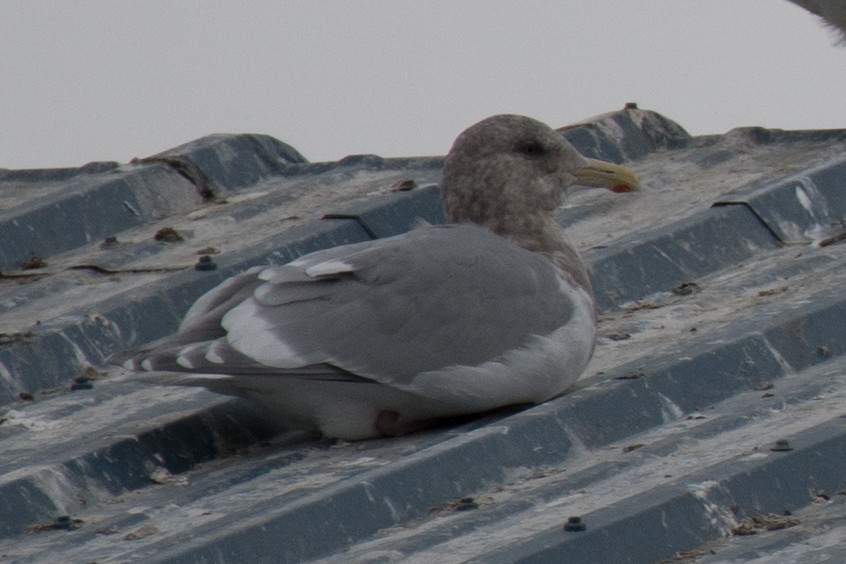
618, 179
626, 188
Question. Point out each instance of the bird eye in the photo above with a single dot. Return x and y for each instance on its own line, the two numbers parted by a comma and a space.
531, 149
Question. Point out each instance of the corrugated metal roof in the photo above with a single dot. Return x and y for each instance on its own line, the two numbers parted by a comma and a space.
712, 407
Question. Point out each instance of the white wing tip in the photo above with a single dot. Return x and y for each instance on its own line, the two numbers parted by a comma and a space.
329, 268
184, 362
213, 355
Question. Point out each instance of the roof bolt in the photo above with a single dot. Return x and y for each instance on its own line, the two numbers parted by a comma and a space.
168, 235
466, 504
81, 383
109, 241
781, 445
205, 262
404, 185
65, 522
574, 524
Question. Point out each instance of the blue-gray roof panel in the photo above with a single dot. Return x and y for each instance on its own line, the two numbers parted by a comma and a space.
717, 340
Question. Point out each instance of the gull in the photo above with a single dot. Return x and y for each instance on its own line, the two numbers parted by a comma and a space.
493, 309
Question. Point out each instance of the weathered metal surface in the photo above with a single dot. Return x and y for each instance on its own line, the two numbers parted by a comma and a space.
715, 394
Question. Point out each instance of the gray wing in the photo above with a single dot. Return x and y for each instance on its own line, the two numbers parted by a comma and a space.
386, 310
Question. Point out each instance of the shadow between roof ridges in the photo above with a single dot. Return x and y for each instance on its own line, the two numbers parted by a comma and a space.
628, 270
541, 431
800, 207
99, 330
111, 200
101, 470
698, 507
59, 350
620, 135
657, 260
754, 218
608, 466
545, 435
90, 209
673, 516
406, 490
56, 351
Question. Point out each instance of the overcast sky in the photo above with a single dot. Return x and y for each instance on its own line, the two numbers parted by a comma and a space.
112, 80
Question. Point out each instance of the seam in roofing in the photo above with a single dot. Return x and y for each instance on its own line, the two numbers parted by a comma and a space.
802, 208
653, 450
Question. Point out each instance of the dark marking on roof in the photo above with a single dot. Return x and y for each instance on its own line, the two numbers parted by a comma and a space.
750, 219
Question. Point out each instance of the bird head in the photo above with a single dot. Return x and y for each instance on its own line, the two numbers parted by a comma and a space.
510, 164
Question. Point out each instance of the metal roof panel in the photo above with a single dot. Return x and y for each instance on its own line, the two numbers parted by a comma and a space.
714, 395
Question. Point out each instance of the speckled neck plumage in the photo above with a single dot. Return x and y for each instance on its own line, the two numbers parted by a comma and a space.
537, 232
509, 175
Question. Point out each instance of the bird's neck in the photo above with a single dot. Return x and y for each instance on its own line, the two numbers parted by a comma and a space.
532, 228
541, 234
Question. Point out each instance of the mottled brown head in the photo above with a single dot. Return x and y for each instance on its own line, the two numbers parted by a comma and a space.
508, 167
509, 173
